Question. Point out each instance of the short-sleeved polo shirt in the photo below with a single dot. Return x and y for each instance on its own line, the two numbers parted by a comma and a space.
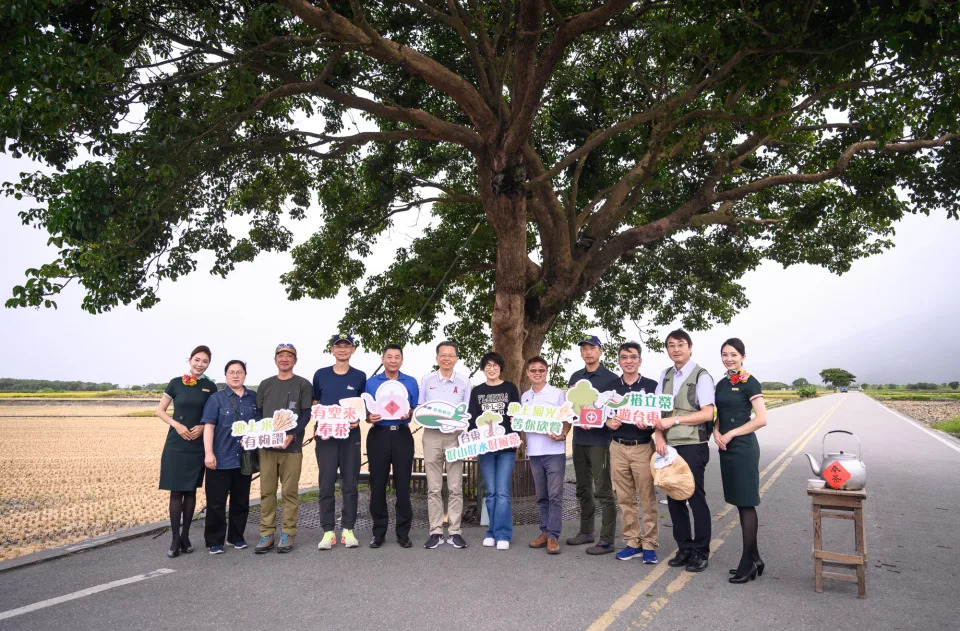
435, 387
413, 393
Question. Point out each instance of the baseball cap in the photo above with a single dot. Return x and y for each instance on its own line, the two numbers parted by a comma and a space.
288, 348
342, 337
590, 339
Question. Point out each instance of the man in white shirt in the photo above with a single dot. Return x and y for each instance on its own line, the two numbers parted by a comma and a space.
548, 458
446, 385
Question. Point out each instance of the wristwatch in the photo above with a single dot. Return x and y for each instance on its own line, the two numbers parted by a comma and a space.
676, 420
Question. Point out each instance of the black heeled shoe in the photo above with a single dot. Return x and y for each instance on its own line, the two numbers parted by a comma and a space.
185, 546
174, 550
759, 565
749, 576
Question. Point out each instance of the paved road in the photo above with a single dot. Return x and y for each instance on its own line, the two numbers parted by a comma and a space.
912, 580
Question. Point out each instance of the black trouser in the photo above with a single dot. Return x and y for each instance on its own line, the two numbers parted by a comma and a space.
697, 456
342, 454
386, 446
220, 483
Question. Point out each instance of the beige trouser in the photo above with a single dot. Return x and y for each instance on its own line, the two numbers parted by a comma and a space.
434, 444
276, 466
630, 472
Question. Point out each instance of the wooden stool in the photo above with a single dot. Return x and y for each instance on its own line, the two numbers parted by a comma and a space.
839, 505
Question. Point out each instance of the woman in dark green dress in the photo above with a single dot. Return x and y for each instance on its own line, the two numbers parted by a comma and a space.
738, 395
181, 465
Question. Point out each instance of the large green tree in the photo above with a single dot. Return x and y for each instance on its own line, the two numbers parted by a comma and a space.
623, 160
837, 377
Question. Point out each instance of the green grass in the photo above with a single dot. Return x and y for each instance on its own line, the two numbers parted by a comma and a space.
104, 394
951, 426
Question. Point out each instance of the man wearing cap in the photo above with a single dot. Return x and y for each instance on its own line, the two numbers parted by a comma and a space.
688, 428
443, 385
591, 457
390, 442
631, 448
286, 391
330, 384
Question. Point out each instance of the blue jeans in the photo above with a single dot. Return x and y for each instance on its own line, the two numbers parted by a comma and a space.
548, 474
497, 471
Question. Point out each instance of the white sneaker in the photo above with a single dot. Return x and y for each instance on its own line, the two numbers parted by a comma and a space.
488, 542
328, 541
503, 545
348, 539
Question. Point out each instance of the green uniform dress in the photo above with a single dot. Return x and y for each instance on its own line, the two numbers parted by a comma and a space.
181, 465
740, 461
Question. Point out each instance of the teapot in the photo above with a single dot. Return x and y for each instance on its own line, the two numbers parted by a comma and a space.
840, 471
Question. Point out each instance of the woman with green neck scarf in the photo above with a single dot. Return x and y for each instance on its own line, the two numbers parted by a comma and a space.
181, 465
738, 397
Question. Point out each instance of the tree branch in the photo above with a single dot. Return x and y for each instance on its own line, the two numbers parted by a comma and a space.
841, 165
339, 28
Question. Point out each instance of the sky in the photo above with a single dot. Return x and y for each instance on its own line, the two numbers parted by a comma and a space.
891, 319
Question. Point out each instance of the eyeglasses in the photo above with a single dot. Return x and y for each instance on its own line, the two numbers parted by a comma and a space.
536, 371
629, 357
236, 373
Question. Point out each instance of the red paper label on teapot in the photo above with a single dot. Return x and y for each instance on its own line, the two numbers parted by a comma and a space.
836, 475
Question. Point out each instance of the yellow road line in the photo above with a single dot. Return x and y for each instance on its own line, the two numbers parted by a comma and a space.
641, 587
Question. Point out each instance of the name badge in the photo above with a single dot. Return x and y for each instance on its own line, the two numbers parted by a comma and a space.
735, 389
206, 389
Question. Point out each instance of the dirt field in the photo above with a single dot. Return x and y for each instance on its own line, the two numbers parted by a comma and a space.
72, 477
927, 412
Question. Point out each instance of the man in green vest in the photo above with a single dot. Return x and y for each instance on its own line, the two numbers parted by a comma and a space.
687, 429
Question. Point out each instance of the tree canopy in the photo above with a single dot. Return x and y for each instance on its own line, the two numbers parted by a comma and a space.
613, 161
837, 377
800, 382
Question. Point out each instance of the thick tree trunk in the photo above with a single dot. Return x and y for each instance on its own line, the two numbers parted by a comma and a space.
507, 323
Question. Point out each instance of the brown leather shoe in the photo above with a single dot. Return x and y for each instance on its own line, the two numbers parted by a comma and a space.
553, 546
539, 542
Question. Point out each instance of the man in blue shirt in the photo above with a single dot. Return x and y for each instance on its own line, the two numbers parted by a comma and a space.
390, 442
591, 457
445, 385
330, 384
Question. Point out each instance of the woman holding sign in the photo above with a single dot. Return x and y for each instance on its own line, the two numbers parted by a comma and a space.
181, 465
488, 413
737, 396
222, 448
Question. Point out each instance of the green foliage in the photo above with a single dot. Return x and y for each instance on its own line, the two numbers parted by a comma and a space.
773, 385
799, 383
807, 392
864, 386
177, 132
45, 385
923, 385
954, 385
951, 426
837, 377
